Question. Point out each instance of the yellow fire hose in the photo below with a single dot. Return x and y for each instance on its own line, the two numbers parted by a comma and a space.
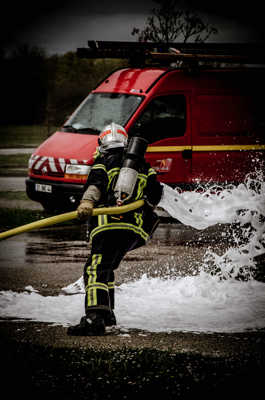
57, 219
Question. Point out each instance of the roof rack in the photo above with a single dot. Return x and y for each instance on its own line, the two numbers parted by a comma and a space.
141, 52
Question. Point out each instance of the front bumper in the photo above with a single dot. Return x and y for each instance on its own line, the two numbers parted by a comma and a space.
66, 196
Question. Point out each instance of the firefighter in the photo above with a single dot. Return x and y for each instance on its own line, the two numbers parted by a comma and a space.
112, 236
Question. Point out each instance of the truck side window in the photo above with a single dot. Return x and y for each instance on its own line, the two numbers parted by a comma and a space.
164, 117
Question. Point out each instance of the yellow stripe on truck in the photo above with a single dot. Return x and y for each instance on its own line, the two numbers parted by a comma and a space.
236, 147
162, 149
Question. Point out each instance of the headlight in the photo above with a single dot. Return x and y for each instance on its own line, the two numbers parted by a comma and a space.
77, 171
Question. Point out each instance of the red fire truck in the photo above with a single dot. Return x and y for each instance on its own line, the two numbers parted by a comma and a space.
203, 124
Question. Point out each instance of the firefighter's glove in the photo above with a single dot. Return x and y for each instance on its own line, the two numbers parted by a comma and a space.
85, 209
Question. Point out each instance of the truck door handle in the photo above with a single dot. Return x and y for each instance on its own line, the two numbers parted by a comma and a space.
187, 154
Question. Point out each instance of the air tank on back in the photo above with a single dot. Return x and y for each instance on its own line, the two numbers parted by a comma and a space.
127, 178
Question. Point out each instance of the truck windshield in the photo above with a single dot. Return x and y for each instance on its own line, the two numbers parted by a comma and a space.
100, 109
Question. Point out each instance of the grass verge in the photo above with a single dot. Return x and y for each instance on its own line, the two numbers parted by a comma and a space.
13, 217
14, 161
14, 172
24, 136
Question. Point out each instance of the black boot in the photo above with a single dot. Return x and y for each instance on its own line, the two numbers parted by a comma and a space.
110, 319
91, 325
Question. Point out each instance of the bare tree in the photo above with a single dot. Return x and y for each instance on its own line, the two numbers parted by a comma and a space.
192, 26
169, 23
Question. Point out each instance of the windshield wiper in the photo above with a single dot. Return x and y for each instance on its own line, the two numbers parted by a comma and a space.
70, 128
88, 130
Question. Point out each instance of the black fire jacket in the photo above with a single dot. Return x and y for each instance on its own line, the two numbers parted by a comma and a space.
104, 174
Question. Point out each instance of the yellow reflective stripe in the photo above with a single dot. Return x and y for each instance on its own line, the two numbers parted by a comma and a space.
92, 268
96, 153
98, 285
151, 171
102, 219
99, 166
111, 285
123, 225
139, 219
142, 176
113, 171
92, 273
136, 218
235, 147
142, 180
111, 175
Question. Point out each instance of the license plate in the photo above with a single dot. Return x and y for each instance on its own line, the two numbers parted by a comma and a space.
43, 188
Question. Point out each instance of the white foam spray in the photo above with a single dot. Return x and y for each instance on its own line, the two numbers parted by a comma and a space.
242, 206
223, 297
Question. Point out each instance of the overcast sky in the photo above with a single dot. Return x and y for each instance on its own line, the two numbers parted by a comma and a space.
60, 26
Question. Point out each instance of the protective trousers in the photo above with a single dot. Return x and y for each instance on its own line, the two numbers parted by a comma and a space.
107, 251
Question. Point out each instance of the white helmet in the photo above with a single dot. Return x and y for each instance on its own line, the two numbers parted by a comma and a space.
112, 136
